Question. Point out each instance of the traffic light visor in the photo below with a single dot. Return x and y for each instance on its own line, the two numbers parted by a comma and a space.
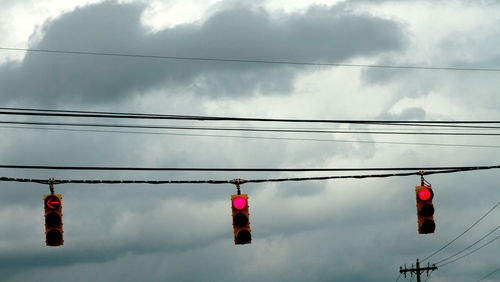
425, 194
239, 203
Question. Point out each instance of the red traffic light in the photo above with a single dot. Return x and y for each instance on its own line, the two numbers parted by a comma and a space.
52, 202
425, 209
241, 219
425, 194
53, 220
239, 203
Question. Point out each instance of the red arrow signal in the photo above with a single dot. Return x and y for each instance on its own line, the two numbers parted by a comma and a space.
52, 202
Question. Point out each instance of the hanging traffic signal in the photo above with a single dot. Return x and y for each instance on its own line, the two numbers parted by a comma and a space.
241, 219
53, 220
425, 209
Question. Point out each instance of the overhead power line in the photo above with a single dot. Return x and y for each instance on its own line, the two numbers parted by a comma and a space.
82, 114
146, 115
466, 248
488, 275
471, 252
261, 137
425, 169
196, 117
429, 276
239, 181
247, 129
461, 234
74, 111
248, 61
70, 113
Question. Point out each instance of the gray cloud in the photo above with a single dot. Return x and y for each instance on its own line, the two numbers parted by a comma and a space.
339, 230
319, 34
413, 113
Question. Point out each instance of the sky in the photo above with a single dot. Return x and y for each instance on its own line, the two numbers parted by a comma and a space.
333, 230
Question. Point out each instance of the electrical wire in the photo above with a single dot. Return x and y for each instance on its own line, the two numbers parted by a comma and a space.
245, 129
489, 274
470, 246
467, 230
234, 181
208, 117
230, 60
427, 170
354, 129
268, 137
429, 276
471, 252
225, 118
159, 115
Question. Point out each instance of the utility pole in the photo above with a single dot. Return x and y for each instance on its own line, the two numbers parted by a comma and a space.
417, 270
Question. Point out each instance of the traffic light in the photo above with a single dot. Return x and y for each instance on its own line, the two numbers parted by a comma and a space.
241, 219
53, 220
425, 209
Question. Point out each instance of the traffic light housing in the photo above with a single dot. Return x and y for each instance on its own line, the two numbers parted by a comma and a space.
53, 220
241, 219
425, 209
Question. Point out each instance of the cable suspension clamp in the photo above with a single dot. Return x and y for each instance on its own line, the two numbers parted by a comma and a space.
51, 185
422, 179
238, 182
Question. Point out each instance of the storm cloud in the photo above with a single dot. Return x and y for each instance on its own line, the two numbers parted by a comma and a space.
336, 230
320, 34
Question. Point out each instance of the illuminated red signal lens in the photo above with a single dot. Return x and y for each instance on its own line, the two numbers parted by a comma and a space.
52, 203
239, 203
425, 194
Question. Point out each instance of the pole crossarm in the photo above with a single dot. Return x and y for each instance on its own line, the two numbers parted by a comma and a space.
417, 270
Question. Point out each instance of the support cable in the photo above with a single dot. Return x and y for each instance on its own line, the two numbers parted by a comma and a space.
241, 181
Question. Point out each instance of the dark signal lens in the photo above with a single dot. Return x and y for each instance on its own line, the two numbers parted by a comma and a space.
425, 194
53, 219
54, 237
240, 220
239, 203
243, 237
428, 226
427, 210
